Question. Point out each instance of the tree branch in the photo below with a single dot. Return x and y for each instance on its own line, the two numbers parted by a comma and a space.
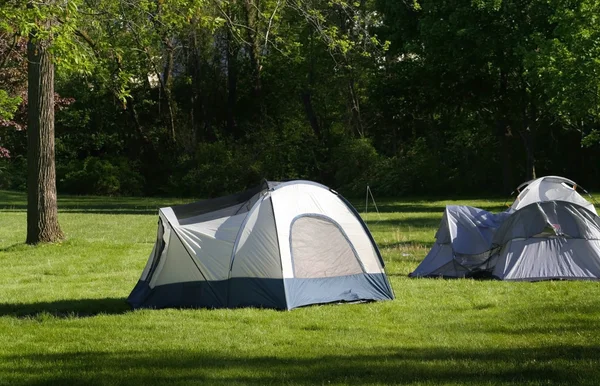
10, 50
270, 23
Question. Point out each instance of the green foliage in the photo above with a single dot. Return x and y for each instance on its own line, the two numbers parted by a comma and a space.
355, 162
411, 172
99, 176
202, 98
8, 105
214, 170
566, 64
13, 173
591, 139
53, 21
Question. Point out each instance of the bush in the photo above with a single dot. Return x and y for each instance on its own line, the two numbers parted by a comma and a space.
216, 169
13, 173
417, 170
355, 163
102, 177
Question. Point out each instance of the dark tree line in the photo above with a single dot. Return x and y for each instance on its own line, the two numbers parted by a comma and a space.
201, 98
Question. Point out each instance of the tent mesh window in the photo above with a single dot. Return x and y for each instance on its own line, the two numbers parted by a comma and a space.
321, 249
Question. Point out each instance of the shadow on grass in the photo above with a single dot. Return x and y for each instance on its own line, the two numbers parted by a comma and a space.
91, 209
406, 244
422, 208
72, 308
13, 247
402, 208
431, 365
17, 202
397, 274
414, 222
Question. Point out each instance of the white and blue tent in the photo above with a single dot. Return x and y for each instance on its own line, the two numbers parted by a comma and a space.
279, 245
524, 242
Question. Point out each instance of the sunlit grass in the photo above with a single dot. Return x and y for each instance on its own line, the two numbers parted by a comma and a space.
63, 316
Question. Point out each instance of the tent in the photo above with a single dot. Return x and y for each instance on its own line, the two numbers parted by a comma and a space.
466, 242
279, 245
548, 240
462, 243
549, 188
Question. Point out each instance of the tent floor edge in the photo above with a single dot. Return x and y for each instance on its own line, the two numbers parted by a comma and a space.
347, 289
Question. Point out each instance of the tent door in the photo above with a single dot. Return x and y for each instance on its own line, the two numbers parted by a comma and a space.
320, 248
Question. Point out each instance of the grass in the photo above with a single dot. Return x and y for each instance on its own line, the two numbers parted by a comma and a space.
64, 320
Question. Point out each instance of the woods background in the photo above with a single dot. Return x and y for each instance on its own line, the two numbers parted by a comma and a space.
206, 97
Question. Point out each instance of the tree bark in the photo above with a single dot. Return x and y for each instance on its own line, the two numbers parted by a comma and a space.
356, 118
530, 163
167, 84
42, 211
504, 134
252, 14
232, 52
310, 113
529, 119
529, 127
306, 94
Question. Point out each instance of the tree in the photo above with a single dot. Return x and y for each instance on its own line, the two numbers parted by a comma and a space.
37, 22
42, 213
566, 68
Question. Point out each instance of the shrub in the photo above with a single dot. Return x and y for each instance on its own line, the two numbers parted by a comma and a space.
355, 163
13, 173
97, 176
214, 170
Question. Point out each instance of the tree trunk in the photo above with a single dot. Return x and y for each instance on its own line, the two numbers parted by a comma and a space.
232, 51
252, 22
529, 119
504, 134
356, 118
310, 113
530, 165
42, 211
306, 94
167, 84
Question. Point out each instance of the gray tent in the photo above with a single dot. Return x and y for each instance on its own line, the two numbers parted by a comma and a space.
280, 245
472, 242
549, 188
548, 240
462, 243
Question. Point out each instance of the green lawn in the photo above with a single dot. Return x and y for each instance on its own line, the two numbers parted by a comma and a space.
63, 316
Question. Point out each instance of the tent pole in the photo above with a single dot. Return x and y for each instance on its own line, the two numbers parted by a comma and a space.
369, 191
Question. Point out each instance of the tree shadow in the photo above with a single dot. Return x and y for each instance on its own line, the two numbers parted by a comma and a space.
403, 208
562, 318
415, 222
406, 244
421, 208
91, 209
385, 365
13, 247
17, 202
71, 308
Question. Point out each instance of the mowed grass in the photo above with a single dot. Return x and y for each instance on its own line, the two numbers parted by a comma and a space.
64, 320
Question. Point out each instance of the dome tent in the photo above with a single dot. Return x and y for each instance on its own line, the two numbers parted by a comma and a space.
462, 243
279, 245
467, 244
548, 240
549, 188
